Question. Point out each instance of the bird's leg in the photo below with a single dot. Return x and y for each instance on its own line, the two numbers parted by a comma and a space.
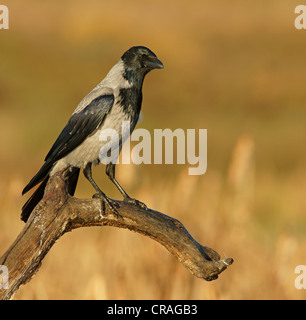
110, 171
105, 200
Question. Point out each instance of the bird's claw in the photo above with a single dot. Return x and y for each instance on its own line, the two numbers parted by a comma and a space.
112, 204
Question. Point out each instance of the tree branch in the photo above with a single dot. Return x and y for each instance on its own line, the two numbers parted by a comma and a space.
58, 213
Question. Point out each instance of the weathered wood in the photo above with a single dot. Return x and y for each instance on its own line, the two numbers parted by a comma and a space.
59, 213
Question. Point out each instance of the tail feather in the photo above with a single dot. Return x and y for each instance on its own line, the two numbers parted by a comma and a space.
72, 180
33, 200
29, 206
40, 176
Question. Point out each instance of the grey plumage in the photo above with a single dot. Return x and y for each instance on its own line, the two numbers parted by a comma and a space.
115, 99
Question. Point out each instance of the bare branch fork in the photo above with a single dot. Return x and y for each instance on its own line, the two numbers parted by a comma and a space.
58, 213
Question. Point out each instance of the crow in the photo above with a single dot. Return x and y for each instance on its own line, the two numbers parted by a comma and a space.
116, 99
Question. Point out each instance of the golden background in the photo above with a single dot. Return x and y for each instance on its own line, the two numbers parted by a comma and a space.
236, 68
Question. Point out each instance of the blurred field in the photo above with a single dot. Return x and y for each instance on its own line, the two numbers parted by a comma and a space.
235, 68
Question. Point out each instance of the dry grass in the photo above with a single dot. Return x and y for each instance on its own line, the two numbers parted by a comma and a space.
233, 68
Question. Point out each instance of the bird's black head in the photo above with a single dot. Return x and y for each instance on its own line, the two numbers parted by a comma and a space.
141, 60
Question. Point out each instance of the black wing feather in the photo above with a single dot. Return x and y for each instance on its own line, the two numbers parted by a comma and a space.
78, 128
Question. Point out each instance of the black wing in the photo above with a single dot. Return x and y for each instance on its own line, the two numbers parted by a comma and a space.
78, 128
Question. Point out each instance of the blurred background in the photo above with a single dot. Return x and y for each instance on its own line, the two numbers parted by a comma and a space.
236, 68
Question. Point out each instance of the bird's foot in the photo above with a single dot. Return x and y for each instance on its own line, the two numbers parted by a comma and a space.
112, 204
135, 202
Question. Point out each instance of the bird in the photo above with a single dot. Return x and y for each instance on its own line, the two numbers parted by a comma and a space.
116, 99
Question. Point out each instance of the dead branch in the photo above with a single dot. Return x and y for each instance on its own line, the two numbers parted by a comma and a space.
59, 213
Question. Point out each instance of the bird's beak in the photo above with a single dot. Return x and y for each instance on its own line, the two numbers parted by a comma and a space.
154, 63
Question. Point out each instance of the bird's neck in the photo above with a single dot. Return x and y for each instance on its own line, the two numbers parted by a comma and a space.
121, 77
134, 78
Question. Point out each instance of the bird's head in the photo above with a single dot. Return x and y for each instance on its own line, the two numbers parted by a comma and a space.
141, 59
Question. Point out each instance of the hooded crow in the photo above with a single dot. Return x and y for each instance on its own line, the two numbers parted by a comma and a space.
116, 99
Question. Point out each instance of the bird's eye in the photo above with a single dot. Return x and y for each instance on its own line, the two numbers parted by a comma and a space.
139, 55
